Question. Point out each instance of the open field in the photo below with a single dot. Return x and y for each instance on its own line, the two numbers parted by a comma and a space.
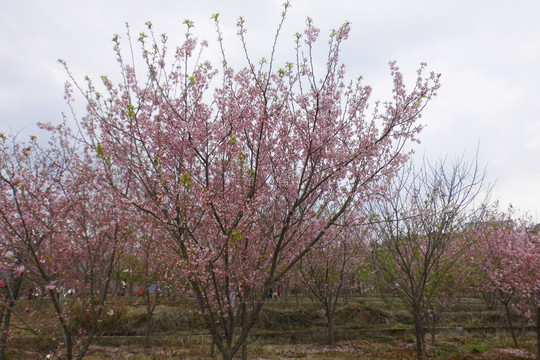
294, 328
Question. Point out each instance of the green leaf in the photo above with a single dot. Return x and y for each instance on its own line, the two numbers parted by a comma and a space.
185, 180
101, 154
130, 111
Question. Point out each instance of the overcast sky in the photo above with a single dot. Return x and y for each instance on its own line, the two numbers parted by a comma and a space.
488, 53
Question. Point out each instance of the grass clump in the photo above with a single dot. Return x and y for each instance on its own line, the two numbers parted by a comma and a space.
476, 348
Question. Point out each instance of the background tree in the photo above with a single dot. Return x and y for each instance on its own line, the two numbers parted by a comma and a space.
12, 276
422, 232
497, 236
510, 253
452, 286
96, 232
153, 267
32, 212
527, 272
63, 231
324, 268
241, 178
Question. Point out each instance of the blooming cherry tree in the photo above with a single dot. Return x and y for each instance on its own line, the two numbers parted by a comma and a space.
510, 253
245, 171
60, 230
32, 209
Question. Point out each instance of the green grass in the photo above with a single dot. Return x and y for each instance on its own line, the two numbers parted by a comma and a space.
476, 348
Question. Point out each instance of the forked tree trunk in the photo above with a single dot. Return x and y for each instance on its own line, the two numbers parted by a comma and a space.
230, 344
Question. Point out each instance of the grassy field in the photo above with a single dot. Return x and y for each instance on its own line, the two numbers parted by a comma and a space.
293, 328
446, 348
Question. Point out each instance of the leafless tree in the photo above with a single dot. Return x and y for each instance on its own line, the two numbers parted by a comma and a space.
422, 231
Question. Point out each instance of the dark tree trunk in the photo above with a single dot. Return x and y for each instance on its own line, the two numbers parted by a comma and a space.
433, 340
419, 333
509, 318
213, 348
150, 307
6, 316
330, 328
227, 354
243, 308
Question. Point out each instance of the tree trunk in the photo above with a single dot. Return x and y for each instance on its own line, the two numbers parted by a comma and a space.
330, 328
147, 329
150, 307
433, 340
66, 331
432, 324
419, 332
6, 317
243, 308
227, 354
509, 318
3, 343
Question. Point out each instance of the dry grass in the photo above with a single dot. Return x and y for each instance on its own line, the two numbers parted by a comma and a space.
397, 349
283, 327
